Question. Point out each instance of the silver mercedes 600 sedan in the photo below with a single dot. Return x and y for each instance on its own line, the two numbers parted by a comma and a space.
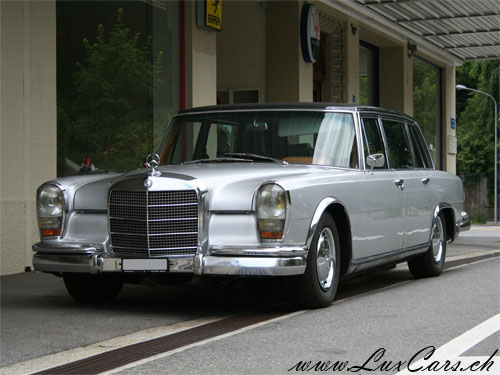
309, 193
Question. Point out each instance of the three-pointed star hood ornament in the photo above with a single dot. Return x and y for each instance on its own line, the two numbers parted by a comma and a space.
152, 161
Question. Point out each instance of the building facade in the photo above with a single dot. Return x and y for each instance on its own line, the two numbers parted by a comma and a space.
77, 75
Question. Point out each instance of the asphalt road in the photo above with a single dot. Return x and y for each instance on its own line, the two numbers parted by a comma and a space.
389, 316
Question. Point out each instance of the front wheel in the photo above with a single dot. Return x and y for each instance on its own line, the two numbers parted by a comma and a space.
431, 263
92, 288
318, 285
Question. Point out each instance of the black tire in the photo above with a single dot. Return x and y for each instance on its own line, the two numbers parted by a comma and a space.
431, 263
92, 288
317, 287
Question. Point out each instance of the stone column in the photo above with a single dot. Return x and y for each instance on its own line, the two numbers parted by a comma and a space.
201, 61
289, 77
449, 134
396, 79
28, 123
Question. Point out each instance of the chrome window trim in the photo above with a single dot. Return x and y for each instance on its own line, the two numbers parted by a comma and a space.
384, 139
423, 143
384, 142
330, 110
354, 112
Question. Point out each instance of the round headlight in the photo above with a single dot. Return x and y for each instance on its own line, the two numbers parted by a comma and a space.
50, 201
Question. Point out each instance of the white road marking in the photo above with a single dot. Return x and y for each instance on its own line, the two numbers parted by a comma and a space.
451, 351
471, 263
67, 356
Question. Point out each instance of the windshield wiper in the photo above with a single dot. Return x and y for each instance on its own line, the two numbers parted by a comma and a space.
218, 160
254, 157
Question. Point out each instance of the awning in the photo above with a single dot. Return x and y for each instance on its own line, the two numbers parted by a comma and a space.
466, 29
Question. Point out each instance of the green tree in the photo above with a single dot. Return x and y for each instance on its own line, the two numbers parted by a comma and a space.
475, 118
110, 119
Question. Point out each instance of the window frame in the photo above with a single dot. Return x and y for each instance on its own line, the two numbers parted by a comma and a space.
420, 140
364, 140
165, 153
427, 159
404, 122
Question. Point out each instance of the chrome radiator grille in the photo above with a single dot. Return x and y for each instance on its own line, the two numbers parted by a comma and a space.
153, 223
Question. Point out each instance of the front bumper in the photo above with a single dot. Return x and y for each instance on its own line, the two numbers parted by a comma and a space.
272, 261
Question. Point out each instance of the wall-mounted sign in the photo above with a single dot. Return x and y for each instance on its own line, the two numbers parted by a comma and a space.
209, 14
452, 145
452, 123
309, 33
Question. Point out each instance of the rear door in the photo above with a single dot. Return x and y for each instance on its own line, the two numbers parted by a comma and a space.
406, 160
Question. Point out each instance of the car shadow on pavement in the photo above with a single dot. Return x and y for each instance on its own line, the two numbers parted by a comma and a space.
42, 291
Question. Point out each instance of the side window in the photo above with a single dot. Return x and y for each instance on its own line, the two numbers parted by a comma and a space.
419, 147
398, 145
372, 138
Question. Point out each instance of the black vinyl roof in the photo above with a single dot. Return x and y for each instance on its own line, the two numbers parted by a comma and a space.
295, 106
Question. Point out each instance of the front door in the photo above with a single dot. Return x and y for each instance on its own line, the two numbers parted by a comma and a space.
380, 226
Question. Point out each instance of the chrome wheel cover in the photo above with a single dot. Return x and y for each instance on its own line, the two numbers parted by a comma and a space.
325, 259
437, 240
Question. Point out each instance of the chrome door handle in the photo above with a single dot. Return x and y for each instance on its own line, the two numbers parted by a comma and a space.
425, 181
400, 183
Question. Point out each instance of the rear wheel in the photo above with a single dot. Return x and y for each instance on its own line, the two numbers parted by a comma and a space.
92, 288
318, 285
431, 263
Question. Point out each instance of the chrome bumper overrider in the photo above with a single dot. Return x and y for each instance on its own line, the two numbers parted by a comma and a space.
464, 223
250, 262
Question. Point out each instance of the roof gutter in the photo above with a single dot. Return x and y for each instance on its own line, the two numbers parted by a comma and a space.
375, 20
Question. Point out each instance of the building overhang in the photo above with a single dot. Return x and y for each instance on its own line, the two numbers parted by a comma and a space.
451, 31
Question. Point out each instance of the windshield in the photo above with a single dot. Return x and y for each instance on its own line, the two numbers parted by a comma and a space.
323, 138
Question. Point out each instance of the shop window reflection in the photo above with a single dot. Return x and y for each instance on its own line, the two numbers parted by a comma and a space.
427, 104
117, 88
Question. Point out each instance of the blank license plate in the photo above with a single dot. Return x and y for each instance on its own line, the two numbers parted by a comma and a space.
145, 264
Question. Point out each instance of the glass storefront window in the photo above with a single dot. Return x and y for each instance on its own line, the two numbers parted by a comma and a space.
368, 74
427, 104
117, 82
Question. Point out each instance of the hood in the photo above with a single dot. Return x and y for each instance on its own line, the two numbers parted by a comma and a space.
231, 186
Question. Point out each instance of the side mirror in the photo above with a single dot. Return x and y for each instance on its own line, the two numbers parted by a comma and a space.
375, 160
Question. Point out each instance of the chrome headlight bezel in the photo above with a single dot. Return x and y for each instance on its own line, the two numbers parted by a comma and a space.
51, 207
271, 208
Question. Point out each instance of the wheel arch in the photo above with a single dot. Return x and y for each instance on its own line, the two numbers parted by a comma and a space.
337, 210
449, 219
